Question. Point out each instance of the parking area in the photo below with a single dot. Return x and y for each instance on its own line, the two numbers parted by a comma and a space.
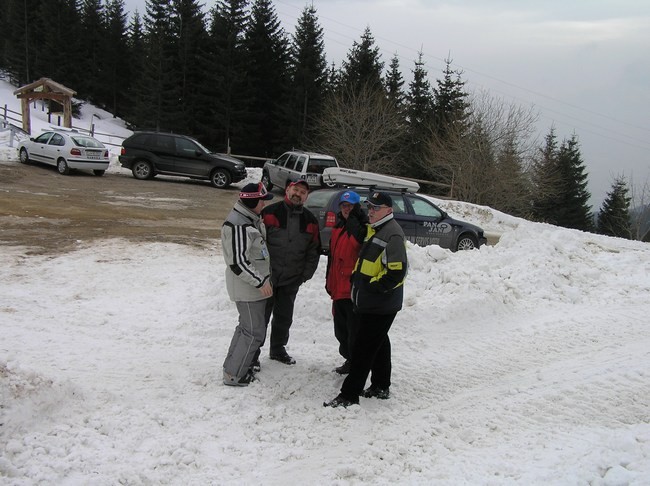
50, 213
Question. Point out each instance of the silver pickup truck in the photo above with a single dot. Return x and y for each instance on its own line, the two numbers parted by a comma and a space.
294, 165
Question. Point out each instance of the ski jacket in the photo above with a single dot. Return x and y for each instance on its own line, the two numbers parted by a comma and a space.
378, 277
293, 239
345, 243
245, 253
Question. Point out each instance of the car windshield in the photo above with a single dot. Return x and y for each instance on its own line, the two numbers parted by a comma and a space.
319, 165
87, 142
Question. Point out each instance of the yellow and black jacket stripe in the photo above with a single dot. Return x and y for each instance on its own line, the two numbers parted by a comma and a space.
378, 278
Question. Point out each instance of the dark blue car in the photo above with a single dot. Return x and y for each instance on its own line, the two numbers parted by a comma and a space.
423, 222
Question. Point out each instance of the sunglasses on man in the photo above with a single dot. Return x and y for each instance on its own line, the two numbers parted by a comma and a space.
375, 207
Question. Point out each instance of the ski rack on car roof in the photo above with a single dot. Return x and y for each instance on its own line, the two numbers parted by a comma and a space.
63, 129
359, 178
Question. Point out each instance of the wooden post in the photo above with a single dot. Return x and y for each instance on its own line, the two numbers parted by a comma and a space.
67, 112
27, 125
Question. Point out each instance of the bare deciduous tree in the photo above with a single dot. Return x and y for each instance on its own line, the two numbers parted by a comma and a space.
487, 162
360, 126
640, 211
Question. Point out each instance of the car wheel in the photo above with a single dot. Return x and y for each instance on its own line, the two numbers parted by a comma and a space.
24, 156
466, 242
62, 167
266, 180
98, 172
142, 170
220, 178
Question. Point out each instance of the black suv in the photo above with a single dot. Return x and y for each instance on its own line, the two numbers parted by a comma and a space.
151, 153
423, 222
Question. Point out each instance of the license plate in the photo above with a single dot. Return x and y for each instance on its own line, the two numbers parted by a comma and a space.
312, 178
93, 155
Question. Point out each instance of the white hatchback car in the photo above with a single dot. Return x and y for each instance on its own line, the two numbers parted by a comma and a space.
66, 149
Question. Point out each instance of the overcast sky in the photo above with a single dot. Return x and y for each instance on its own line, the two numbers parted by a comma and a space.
584, 65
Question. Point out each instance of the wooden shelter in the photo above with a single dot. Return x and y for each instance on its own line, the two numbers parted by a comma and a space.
45, 89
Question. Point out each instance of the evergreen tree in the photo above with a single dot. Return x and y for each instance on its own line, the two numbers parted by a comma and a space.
394, 83
333, 81
511, 187
92, 45
192, 67
363, 66
135, 56
156, 87
229, 76
573, 210
22, 36
309, 74
419, 115
450, 101
268, 56
614, 217
117, 67
58, 41
546, 181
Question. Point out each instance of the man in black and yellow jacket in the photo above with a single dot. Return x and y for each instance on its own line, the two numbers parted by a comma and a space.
377, 295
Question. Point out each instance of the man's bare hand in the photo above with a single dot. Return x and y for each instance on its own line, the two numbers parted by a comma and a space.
266, 289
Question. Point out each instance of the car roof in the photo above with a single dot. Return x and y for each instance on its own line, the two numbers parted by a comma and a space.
311, 154
67, 132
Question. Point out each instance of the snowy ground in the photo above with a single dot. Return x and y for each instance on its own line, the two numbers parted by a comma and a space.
523, 363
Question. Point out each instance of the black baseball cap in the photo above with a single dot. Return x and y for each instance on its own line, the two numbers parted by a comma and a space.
380, 199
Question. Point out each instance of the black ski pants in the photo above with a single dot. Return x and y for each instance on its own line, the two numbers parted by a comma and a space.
346, 325
371, 354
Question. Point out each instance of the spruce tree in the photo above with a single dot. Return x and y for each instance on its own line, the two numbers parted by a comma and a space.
156, 84
58, 39
192, 66
573, 210
511, 187
18, 44
419, 115
93, 43
309, 76
117, 68
614, 216
267, 52
546, 181
135, 59
394, 83
450, 101
228, 104
363, 66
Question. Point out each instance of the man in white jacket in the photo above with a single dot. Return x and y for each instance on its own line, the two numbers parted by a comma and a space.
248, 281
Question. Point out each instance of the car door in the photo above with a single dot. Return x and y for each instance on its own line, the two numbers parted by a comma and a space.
38, 149
190, 159
286, 171
164, 149
54, 149
432, 229
273, 169
403, 216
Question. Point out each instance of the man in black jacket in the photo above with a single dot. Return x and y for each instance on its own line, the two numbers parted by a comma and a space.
377, 295
293, 239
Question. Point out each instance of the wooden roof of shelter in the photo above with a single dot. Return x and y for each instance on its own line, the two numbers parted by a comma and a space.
45, 89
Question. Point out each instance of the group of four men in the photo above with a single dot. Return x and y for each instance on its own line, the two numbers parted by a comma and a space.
271, 250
